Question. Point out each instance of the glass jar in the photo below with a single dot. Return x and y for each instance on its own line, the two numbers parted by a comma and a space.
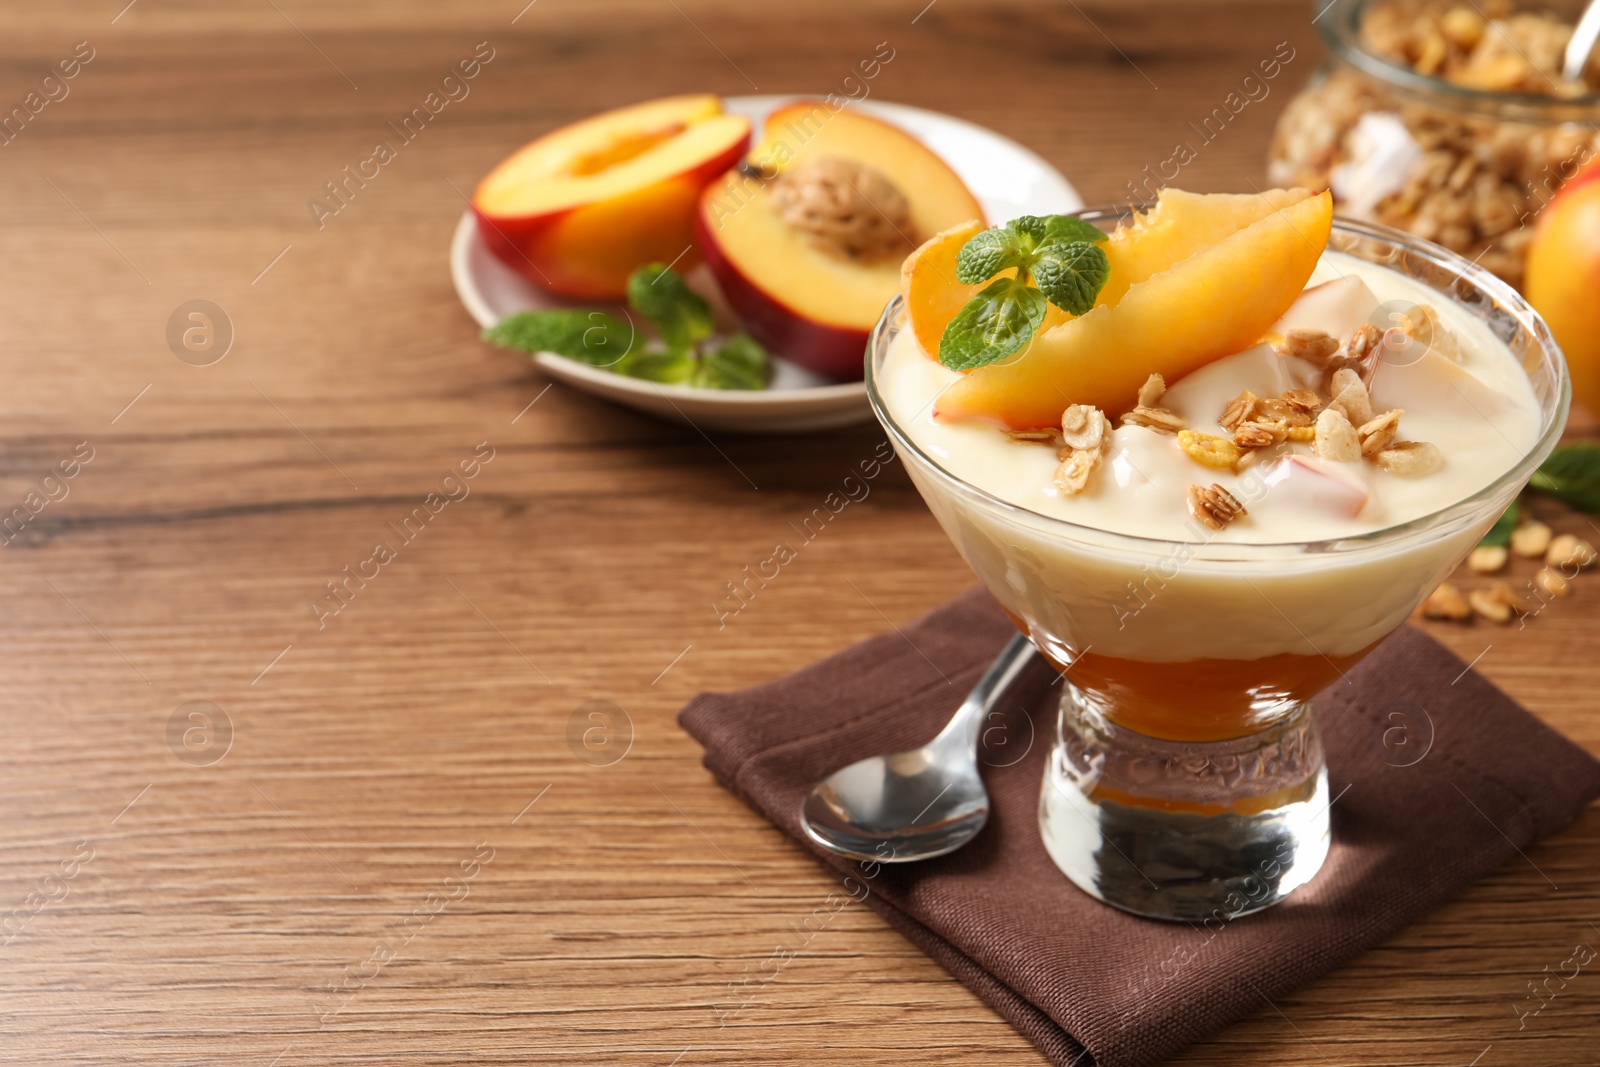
1462, 166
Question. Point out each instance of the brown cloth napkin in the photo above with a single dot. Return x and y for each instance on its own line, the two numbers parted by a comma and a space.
1419, 814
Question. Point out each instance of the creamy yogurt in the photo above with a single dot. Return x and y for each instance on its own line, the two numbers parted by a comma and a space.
1268, 583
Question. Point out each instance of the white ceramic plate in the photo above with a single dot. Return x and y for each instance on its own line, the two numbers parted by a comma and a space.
1007, 179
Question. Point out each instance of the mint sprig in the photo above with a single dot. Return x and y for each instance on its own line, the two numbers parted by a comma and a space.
591, 337
680, 315
662, 296
992, 325
1058, 254
1572, 475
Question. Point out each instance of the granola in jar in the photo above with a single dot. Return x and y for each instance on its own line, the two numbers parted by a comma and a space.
1449, 119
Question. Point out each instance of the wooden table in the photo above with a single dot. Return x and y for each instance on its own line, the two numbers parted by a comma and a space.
411, 757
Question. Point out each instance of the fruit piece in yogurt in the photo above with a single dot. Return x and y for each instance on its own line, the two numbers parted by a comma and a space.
1316, 485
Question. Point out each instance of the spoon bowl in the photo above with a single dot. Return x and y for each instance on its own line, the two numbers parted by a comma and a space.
921, 803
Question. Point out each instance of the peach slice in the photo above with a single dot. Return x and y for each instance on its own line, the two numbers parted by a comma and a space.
1180, 225
1214, 303
577, 210
933, 296
796, 293
928, 283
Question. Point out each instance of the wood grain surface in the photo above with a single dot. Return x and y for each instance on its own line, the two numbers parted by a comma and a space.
391, 805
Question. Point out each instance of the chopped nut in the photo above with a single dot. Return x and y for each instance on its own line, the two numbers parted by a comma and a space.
1260, 434
1046, 436
1410, 459
1209, 449
1073, 474
1157, 419
1335, 438
1214, 505
1487, 559
1151, 392
1552, 583
1251, 456
1084, 427
1446, 602
1271, 409
1531, 540
1422, 324
1302, 400
1239, 409
1312, 345
1362, 345
1569, 552
1378, 434
1489, 606
1508, 596
1350, 396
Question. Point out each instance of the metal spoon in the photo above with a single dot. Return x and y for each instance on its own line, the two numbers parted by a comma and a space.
918, 804
1582, 42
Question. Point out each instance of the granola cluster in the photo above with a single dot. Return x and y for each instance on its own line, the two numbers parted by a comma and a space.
1559, 558
1149, 413
1489, 46
1343, 428
1214, 505
1085, 439
1476, 179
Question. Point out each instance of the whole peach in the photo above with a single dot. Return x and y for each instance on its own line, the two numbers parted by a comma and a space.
1563, 281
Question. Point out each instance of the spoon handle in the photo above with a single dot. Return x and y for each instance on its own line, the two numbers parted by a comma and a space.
965, 727
1582, 42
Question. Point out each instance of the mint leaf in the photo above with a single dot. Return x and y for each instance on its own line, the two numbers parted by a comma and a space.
1041, 228
1070, 273
668, 368
1500, 533
591, 337
662, 296
989, 253
1572, 476
994, 324
1059, 253
738, 363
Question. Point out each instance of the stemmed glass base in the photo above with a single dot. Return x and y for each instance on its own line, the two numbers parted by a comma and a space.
1180, 830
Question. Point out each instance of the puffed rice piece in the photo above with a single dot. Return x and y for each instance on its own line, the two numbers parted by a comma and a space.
1336, 439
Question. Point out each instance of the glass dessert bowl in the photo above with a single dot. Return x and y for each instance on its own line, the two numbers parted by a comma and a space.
1186, 775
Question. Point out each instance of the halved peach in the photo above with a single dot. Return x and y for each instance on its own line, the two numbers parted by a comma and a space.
778, 232
1218, 301
582, 207
1564, 278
